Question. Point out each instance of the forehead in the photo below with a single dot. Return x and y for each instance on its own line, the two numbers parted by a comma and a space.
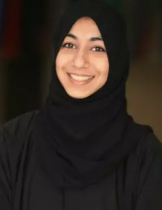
85, 19
86, 24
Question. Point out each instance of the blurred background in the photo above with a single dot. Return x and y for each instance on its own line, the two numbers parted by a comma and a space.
26, 56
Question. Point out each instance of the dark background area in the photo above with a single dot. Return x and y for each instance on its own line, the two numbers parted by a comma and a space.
26, 28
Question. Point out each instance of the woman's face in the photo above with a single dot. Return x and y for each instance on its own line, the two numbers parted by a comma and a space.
82, 64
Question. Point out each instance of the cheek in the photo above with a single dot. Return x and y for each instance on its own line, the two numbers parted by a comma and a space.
62, 59
102, 66
59, 60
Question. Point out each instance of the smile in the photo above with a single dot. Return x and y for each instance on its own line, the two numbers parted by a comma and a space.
80, 79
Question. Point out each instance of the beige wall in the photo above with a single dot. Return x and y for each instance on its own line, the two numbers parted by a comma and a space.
144, 93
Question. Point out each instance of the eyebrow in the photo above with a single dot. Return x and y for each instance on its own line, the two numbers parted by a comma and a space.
91, 39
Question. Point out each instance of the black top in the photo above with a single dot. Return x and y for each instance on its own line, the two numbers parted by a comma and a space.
24, 184
82, 153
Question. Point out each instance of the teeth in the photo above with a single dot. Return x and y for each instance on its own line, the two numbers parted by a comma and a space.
80, 78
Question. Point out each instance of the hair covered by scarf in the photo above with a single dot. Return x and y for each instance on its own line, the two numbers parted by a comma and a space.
81, 141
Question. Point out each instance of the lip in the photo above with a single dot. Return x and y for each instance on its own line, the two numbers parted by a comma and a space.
82, 75
79, 82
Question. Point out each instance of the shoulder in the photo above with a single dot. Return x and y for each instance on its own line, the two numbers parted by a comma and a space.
150, 158
21, 122
153, 143
142, 174
18, 125
147, 155
14, 137
148, 173
13, 132
149, 149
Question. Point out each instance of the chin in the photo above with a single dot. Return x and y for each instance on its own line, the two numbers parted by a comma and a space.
78, 96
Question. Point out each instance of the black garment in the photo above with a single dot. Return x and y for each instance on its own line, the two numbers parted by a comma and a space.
136, 184
87, 153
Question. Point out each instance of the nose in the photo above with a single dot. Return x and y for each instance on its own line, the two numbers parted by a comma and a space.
80, 59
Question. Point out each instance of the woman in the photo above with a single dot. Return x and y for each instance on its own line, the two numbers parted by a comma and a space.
82, 150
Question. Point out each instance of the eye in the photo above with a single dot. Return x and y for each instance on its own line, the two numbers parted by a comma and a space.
98, 49
68, 45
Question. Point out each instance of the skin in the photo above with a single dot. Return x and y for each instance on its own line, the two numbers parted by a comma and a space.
83, 53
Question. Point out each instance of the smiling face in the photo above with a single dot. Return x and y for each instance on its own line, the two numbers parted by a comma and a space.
82, 64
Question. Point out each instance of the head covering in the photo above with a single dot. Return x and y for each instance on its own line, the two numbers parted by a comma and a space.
81, 141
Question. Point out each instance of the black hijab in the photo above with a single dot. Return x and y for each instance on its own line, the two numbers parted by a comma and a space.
81, 141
